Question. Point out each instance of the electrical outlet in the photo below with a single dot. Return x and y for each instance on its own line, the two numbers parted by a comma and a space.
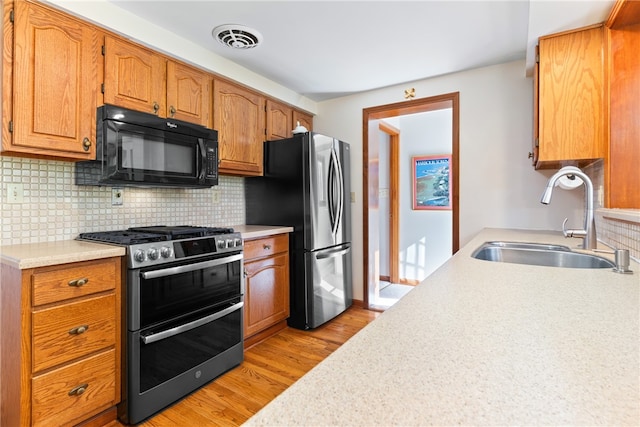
215, 196
14, 193
353, 197
117, 197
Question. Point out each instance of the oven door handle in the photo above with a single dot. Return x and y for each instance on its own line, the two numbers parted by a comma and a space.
154, 274
191, 325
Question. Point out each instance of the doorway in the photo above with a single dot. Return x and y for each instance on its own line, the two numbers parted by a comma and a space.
380, 207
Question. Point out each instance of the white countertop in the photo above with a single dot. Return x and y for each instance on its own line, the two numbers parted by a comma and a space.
32, 255
257, 231
481, 343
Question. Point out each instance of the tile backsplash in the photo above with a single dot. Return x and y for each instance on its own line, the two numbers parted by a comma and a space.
54, 208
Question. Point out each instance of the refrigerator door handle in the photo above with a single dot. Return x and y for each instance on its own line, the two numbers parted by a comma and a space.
332, 253
336, 192
340, 178
331, 181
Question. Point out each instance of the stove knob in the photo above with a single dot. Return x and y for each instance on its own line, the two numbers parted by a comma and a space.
152, 253
220, 244
229, 243
237, 242
139, 255
166, 252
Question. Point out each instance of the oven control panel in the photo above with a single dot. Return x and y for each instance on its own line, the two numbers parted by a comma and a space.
156, 253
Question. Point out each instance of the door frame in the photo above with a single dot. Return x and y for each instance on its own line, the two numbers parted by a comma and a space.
421, 105
394, 209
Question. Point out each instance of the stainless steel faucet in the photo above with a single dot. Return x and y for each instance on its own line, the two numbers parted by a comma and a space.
588, 233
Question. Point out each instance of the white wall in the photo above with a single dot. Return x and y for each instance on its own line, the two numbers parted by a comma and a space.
425, 235
498, 186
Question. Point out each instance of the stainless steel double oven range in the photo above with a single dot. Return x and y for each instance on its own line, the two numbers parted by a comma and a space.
183, 312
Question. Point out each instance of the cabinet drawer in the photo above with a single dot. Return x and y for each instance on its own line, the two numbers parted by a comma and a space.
54, 340
52, 404
73, 280
266, 246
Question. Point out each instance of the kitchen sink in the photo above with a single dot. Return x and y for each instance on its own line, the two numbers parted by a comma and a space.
525, 245
539, 254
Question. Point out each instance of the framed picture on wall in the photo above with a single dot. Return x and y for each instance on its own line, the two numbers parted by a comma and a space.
431, 176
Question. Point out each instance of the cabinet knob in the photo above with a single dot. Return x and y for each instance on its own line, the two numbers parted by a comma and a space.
266, 247
156, 107
86, 144
78, 330
530, 156
172, 111
78, 282
77, 391
245, 272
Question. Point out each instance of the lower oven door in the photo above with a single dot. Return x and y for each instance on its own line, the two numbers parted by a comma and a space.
166, 362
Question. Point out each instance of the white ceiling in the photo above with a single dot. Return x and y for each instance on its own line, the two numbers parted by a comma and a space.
326, 49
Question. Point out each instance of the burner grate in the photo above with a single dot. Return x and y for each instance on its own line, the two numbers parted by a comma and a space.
123, 237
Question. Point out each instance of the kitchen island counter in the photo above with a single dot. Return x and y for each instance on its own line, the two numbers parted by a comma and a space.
480, 343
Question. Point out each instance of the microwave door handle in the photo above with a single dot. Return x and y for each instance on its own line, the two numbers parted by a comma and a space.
168, 333
201, 160
154, 274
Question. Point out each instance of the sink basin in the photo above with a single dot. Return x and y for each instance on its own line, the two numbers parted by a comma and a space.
539, 254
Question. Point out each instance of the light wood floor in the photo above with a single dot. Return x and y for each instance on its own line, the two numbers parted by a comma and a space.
268, 369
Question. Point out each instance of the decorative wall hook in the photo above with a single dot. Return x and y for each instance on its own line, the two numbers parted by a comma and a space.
409, 93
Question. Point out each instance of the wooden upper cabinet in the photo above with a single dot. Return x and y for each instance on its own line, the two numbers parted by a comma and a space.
55, 84
134, 77
572, 98
189, 94
304, 119
143, 80
279, 120
239, 118
623, 188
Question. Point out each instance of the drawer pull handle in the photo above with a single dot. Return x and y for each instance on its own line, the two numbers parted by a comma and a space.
79, 330
266, 247
79, 282
77, 391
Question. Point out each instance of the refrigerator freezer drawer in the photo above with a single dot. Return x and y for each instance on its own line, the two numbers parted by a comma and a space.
329, 285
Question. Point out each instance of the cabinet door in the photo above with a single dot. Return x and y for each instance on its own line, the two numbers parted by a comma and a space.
239, 119
305, 119
278, 120
267, 293
134, 77
188, 94
55, 83
572, 101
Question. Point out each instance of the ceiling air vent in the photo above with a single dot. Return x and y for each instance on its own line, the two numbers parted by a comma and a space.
237, 36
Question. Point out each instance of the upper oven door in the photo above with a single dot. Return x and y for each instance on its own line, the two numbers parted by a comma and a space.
178, 290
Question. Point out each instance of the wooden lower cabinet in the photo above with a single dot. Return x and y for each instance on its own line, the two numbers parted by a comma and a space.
60, 342
266, 299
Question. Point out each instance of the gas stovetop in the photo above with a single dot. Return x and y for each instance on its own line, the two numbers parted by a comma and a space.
147, 246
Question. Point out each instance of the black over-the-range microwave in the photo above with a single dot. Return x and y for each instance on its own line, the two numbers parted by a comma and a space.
144, 150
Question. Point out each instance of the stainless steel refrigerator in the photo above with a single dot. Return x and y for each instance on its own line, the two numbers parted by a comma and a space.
306, 185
